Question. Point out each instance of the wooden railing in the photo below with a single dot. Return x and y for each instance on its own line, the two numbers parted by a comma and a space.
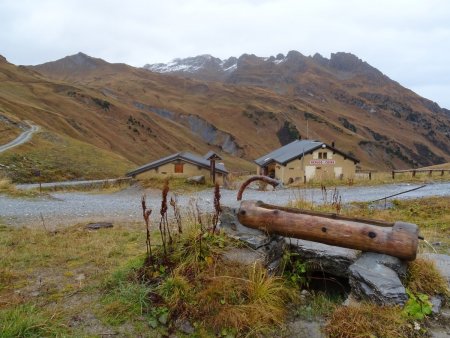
414, 171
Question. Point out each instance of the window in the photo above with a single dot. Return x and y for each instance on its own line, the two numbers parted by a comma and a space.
323, 155
178, 168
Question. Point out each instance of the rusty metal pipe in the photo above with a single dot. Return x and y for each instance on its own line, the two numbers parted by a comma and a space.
265, 179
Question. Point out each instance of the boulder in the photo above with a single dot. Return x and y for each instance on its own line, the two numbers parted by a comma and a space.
331, 259
230, 224
261, 247
196, 179
372, 277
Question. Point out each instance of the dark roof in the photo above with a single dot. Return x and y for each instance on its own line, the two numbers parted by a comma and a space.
295, 149
211, 155
185, 156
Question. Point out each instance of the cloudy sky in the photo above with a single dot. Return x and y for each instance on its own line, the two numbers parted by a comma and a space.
408, 40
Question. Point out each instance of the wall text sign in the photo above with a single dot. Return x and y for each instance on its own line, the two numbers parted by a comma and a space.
320, 162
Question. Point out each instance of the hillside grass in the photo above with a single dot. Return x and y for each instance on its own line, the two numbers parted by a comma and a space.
8, 133
60, 158
439, 166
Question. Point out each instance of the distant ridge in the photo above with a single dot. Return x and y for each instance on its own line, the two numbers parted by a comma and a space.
207, 67
241, 107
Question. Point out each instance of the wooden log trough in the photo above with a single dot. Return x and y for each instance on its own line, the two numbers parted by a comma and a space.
397, 239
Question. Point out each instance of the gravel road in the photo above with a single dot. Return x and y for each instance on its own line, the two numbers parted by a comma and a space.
62, 209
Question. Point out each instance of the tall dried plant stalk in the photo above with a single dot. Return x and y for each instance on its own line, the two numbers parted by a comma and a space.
199, 215
217, 207
163, 223
176, 212
146, 214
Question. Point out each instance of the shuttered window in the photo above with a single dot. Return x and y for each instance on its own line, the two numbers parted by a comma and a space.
178, 168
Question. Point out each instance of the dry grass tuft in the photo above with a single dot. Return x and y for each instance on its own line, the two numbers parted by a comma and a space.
424, 277
8, 188
253, 302
368, 320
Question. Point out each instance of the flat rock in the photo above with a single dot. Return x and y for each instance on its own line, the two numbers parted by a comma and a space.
370, 279
196, 179
244, 256
436, 302
305, 328
394, 263
331, 259
99, 225
230, 224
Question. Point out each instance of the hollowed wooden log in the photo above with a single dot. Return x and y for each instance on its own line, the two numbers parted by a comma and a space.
400, 240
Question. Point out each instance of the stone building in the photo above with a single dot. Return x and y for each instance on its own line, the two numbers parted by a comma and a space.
183, 164
305, 160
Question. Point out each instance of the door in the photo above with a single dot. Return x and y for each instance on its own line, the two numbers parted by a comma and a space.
310, 172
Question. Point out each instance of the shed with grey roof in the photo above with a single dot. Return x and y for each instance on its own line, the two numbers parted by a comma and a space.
183, 164
304, 160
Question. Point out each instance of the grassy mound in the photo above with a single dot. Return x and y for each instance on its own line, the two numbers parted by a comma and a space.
59, 158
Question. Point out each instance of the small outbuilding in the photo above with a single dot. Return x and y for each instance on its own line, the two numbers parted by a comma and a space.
304, 160
184, 164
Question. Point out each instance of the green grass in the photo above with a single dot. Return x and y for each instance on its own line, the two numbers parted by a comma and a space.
317, 305
378, 178
60, 158
27, 320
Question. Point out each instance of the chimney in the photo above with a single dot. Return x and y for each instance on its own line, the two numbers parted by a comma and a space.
332, 144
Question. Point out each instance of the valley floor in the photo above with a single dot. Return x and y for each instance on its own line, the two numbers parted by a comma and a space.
65, 208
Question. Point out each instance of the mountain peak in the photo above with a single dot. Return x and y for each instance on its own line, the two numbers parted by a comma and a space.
349, 62
83, 60
77, 63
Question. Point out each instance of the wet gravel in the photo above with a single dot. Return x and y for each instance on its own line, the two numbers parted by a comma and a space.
66, 208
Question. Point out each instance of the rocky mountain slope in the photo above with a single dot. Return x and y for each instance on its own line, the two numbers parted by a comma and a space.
348, 91
240, 107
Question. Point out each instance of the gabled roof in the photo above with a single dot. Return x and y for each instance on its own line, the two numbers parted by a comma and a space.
185, 156
211, 155
295, 149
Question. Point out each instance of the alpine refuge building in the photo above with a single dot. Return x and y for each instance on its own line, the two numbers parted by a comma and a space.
304, 160
184, 164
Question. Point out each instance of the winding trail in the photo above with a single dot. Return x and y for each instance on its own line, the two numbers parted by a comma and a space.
21, 139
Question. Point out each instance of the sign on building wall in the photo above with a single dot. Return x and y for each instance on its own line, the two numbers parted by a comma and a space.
320, 162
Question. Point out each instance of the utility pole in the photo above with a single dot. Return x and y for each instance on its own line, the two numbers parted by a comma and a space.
307, 130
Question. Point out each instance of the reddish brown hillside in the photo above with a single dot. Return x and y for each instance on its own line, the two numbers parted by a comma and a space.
256, 106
